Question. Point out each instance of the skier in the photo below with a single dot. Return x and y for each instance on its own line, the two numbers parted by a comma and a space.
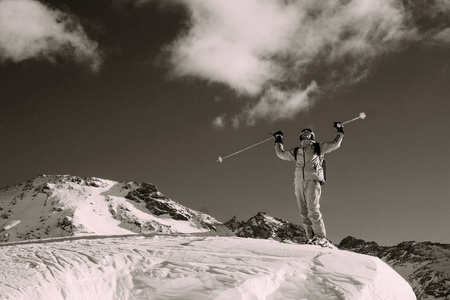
309, 176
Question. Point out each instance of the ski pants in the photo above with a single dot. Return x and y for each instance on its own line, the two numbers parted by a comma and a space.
308, 196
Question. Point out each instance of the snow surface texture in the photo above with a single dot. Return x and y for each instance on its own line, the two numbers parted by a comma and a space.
62, 205
191, 267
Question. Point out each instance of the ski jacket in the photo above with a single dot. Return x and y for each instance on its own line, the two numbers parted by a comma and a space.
308, 163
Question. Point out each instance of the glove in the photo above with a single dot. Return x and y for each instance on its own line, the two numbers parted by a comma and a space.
278, 136
339, 127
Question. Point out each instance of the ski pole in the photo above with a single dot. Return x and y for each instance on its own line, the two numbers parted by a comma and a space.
362, 116
242, 150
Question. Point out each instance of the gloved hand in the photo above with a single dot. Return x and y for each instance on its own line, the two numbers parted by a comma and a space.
278, 136
339, 127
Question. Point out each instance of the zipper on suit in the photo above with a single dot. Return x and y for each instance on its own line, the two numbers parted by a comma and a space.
304, 163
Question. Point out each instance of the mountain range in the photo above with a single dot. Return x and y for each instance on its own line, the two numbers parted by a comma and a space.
57, 206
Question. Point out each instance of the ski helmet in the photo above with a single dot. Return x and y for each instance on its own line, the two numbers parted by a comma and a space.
313, 137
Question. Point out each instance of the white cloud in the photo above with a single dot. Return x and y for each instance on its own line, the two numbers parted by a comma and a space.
219, 122
228, 43
271, 49
276, 104
29, 30
443, 36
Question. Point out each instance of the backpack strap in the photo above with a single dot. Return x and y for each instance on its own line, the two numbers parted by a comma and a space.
317, 148
295, 152
323, 163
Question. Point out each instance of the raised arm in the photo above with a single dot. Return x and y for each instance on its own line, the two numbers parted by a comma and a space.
327, 147
279, 148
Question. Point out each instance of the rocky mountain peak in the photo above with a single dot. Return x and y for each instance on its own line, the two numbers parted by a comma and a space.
65, 205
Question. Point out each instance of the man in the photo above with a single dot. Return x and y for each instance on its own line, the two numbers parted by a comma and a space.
309, 176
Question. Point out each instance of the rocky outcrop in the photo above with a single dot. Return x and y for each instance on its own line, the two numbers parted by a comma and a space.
425, 265
263, 226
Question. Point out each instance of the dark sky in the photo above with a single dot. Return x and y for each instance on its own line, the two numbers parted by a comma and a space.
139, 91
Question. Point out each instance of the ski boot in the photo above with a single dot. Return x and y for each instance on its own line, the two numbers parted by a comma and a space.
321, 241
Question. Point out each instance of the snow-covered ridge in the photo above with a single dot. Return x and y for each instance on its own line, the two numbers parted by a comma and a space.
62, 205
192, 268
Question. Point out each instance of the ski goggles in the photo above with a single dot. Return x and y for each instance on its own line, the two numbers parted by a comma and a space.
306, 131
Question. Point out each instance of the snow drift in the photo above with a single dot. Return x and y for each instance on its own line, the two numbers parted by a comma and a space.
192, 267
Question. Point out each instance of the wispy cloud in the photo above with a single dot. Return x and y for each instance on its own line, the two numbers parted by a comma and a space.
277, 104
285, 53
443, 36
31, 30
219, 122
430, 19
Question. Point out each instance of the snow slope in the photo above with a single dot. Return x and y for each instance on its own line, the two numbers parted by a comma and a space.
191, 267
63, 205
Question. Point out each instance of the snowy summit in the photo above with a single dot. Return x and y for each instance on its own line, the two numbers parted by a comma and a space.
72, 238
63, 205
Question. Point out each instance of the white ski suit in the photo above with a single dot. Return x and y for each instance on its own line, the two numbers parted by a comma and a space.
309, 175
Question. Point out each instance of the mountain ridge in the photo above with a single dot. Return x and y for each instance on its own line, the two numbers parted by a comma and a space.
65, 205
